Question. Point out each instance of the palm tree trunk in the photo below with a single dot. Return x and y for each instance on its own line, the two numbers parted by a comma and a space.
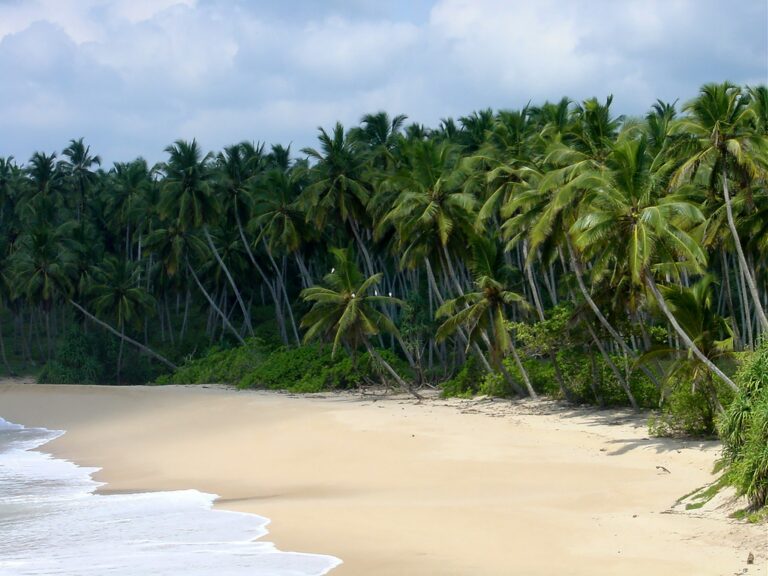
283, 289
372, 351
523, 371
740, 252
120, 352
267, 283
138, 345
244, 310
603, 320
213, 305
363, 249
616, 372
650, 282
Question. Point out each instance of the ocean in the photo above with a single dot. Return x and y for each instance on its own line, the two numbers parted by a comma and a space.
53, 523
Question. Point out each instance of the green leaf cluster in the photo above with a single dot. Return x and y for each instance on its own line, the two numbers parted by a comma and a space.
744, 431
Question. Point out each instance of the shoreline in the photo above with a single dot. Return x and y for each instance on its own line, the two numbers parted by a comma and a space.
392, 486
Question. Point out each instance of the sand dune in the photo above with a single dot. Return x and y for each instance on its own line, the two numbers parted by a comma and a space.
393, 487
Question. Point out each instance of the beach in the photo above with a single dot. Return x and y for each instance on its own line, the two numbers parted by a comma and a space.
392, 486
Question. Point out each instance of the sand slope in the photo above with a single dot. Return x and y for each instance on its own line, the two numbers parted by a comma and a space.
393, 487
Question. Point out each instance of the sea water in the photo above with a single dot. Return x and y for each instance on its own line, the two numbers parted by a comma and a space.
52, 522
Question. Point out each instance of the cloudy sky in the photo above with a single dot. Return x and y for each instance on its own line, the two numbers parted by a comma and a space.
132, 76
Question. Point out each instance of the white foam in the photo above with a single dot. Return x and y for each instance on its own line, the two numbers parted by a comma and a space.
51, 522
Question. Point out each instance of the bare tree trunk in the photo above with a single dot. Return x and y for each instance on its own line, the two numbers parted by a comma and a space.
372, 351
239, 298
649, 281
213, 305
616, 372
138, 345
740, 252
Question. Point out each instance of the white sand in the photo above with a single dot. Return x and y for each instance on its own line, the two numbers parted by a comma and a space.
393, 487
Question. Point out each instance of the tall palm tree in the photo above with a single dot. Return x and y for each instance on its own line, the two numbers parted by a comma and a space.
118, 293
721, 121
188, 198
78, 168
630, 230
338, 185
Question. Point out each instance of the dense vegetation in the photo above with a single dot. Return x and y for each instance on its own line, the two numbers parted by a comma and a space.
556, 249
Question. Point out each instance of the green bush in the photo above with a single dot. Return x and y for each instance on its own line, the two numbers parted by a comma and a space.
744, 431
219, 366
466, 382
312, 368
686, 411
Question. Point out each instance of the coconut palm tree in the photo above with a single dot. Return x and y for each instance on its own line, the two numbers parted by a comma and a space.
345, 312
78, 170
484, 310
630, 230
722, 124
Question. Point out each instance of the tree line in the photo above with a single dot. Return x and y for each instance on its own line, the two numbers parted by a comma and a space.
500, 238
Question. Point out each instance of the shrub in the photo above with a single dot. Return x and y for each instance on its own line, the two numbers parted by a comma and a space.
744, 431
220, 366
465, 383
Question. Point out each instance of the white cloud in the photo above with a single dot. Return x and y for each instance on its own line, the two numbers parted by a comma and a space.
133, 75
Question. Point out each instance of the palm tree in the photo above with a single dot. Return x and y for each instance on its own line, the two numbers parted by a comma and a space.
78, 168
338, 186
722, 123
345, 311
629, 230
187, 197
484, 310
695, 310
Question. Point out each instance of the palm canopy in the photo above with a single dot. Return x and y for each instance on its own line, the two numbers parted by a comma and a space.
628, 225
117, 293
186, 191
346, 310
432, 205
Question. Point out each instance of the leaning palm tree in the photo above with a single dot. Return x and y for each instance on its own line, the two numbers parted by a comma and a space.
345, 312
728, 142
629, 231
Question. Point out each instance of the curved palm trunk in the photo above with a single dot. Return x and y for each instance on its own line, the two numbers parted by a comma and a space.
742, 260
523, 372
363, 249
138, 345
649, 281
603, 320
213, 305
120, 352
270, 287
243, 308
283, 289
372, 351
616, 372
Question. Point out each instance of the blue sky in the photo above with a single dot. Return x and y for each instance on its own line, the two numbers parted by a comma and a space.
132, 76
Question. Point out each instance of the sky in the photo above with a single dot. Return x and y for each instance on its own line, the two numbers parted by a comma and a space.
132, 76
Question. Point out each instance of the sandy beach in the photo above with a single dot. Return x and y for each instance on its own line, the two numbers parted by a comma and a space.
395, 487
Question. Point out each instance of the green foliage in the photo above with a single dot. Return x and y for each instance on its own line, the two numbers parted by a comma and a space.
465, 383
221, 366
685, 411
744, 431
313, 368
90, 358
